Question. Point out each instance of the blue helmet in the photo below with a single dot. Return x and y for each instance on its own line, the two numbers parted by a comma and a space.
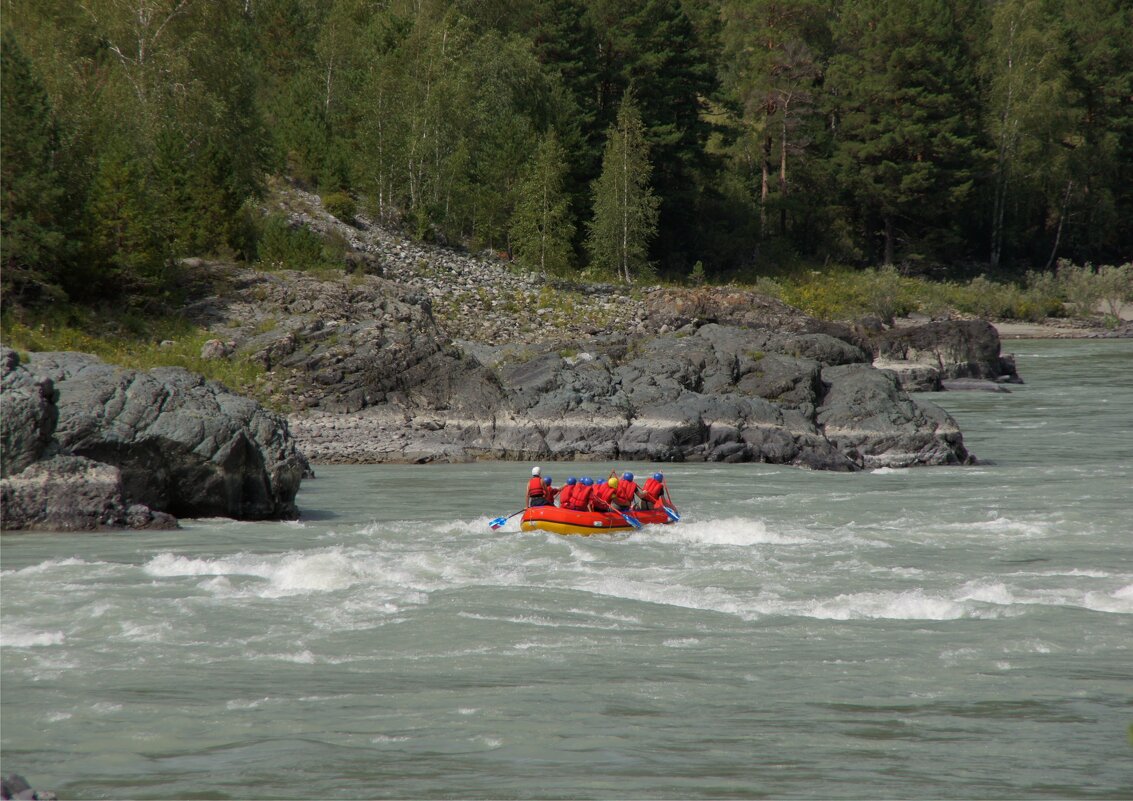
547, 480
627, 476
658, 477
572, 480
587, 481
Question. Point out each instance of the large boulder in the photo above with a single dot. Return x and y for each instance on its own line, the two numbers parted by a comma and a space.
925, 355
182, 444
28, 415
73, 493
868, 417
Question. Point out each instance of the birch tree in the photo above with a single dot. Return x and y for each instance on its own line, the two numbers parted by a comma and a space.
625, 207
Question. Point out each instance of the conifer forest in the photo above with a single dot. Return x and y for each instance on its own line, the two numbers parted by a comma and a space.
629, 138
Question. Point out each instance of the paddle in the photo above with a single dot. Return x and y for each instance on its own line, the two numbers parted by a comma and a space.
499, 521
633, 521
671, 512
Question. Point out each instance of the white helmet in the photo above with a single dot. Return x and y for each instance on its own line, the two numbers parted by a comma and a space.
535, 470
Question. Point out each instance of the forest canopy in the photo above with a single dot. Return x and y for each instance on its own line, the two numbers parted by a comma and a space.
936, 135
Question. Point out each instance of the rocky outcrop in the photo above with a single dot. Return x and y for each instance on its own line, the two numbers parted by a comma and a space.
451, 356
16, 787
709, 393
89, 445
924, 356
73, 493
29, 415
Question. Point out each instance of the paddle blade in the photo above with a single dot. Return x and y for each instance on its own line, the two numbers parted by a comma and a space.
633, 521
497, 523
672, 513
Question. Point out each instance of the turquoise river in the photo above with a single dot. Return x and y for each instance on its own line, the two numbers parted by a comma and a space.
939, 633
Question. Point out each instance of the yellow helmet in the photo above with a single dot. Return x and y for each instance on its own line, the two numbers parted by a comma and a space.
613, 482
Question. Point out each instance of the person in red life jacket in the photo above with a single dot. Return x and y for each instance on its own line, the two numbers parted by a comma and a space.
535, 493
625, 492
566, 494
580, 498
654, 490
603, 496
549, 492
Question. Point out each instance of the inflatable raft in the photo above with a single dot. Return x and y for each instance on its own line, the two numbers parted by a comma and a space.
568, 521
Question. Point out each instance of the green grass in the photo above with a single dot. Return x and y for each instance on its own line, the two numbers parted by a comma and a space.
842, 293
129, 340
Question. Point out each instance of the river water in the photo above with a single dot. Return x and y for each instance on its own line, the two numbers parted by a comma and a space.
928, 633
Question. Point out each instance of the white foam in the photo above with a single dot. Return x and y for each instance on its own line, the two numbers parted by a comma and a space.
1119, 602
907, 605
18, 637
286, 574
46, 567
737, 531
994, 593
681, 642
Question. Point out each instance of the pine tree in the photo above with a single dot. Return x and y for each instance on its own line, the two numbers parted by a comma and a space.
541, 228
625, 208
34, 240
904, 103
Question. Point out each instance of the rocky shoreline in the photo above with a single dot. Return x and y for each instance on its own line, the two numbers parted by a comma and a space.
416, 354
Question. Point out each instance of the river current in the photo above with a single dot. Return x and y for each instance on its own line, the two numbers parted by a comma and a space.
928, 633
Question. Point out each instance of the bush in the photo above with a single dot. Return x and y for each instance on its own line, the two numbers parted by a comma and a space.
341, 205
1116, 288
284, 247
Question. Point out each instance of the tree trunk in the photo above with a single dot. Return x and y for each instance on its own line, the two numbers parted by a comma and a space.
783, 177
1061, 220
765, 186
888, 258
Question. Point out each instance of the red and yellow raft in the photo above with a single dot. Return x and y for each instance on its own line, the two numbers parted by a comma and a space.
568, 521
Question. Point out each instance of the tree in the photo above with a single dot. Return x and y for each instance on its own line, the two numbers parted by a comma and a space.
770, 71
541, 228
35, 238
625, 208
904, 103
652, 46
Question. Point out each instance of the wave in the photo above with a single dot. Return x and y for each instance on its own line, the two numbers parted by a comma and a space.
735, 531
14, 636
286, 574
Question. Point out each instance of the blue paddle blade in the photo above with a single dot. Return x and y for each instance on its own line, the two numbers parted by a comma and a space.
633, 521
497, 523
672, 513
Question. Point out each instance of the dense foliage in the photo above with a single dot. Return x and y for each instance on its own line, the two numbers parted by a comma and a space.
946, 136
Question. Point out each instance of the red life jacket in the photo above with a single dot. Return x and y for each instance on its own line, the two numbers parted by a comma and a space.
566, 495
653, 488
602, 495
535, 487
580, 498
623, 495
549, 493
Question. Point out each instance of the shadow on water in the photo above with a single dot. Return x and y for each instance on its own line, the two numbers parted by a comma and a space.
316, 515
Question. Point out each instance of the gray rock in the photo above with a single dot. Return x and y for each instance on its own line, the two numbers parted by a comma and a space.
73, 493
972, 385
28, 414
217, 349
184, 445
954, 348
868, 417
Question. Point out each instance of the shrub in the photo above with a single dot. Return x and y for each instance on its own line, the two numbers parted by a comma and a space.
1116, 288
286, 247
341, 205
